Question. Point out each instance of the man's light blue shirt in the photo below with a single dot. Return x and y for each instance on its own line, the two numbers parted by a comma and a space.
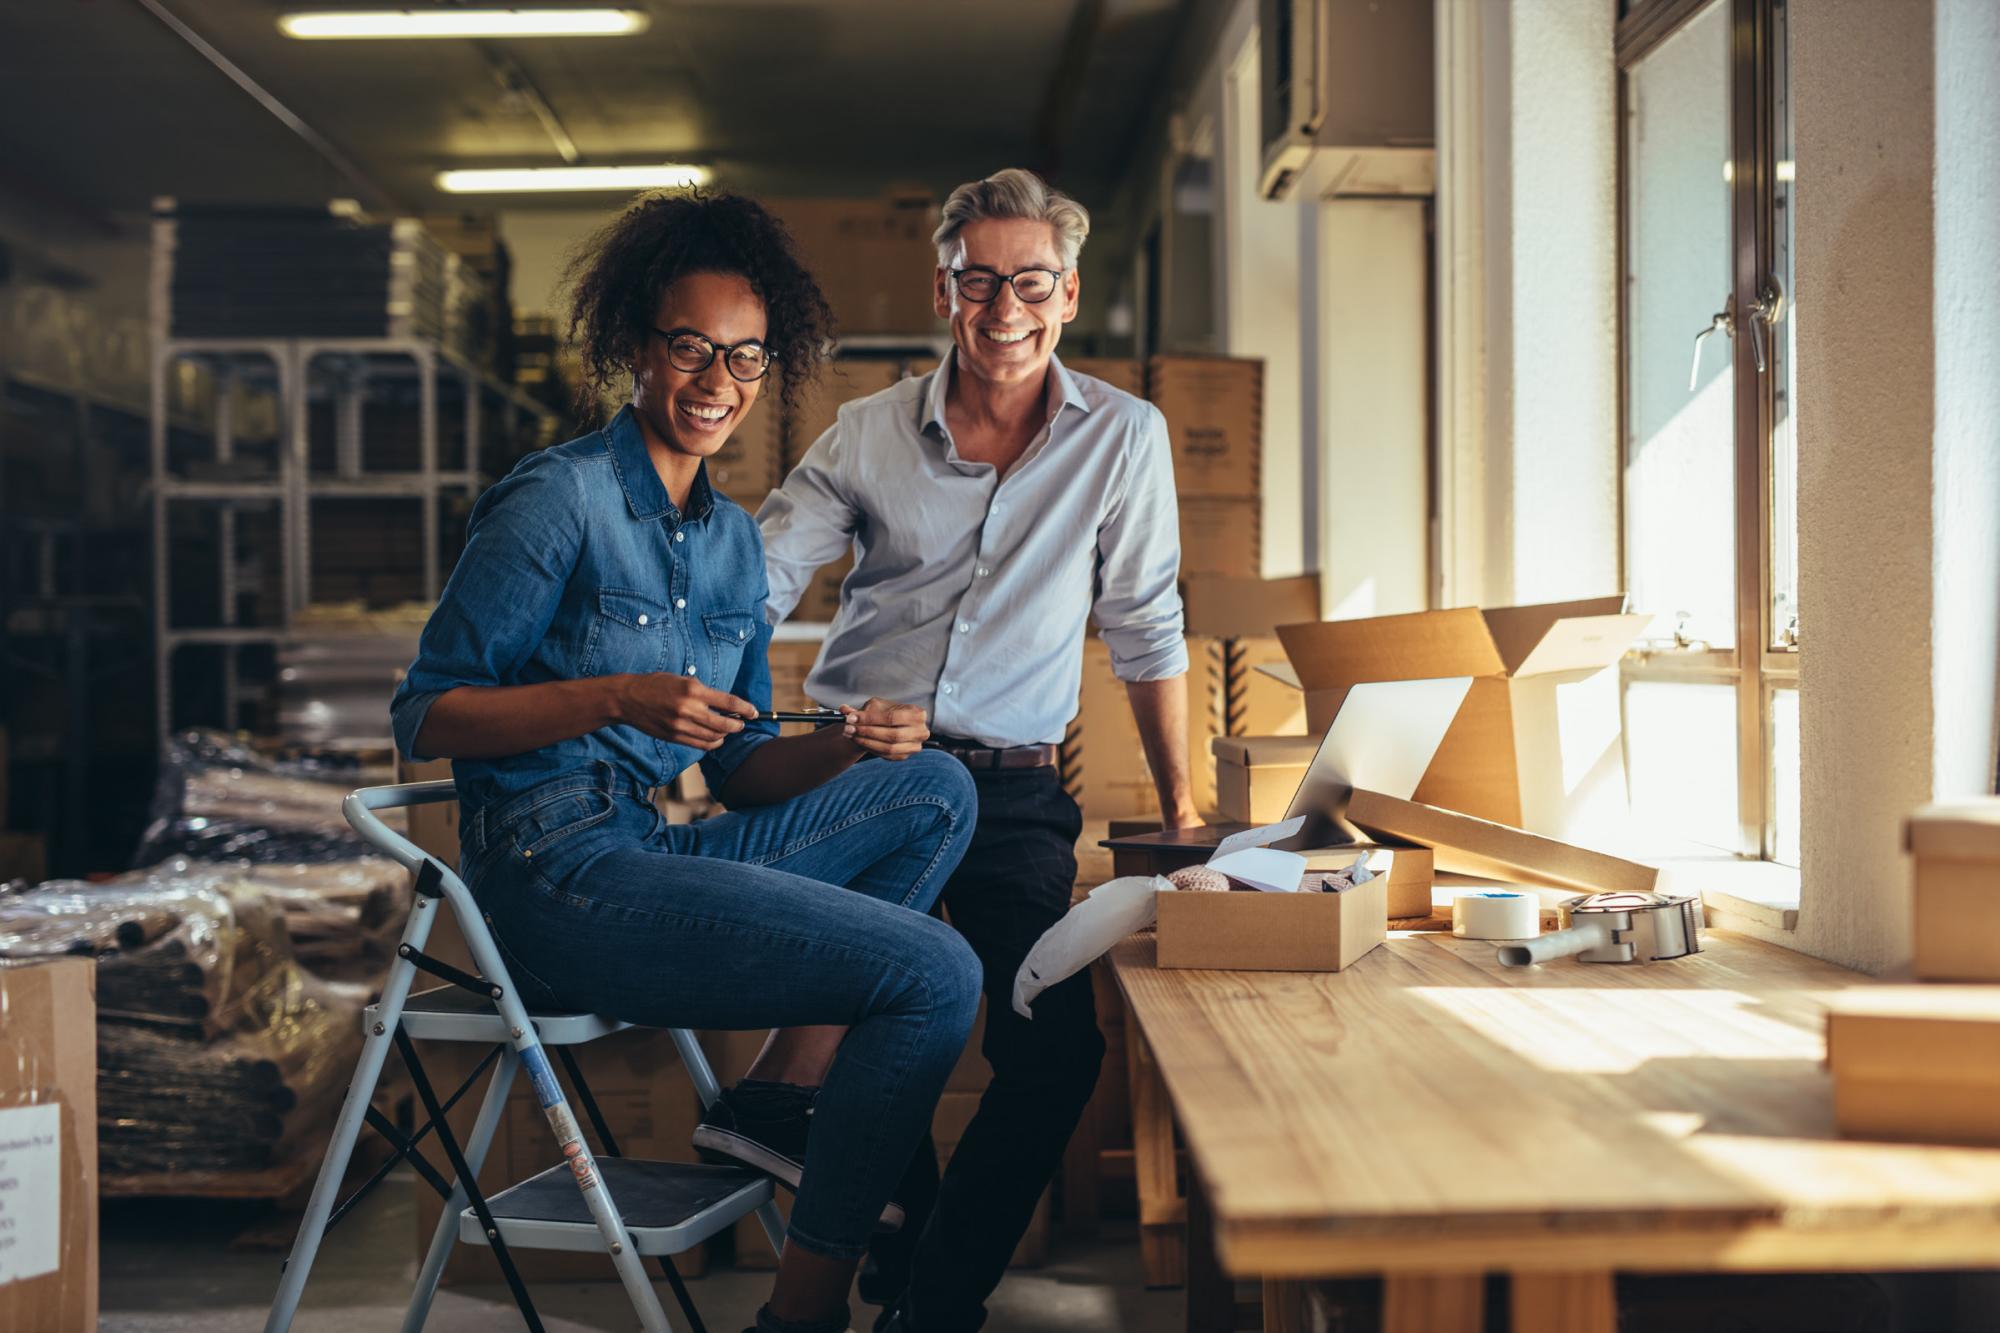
970, 591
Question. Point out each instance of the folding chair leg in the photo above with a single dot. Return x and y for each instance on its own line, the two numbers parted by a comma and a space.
347, 1126
707, 1089
491, 1108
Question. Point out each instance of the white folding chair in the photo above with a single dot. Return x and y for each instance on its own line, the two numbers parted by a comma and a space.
624, 1207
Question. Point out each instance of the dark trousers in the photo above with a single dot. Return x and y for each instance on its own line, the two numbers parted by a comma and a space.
1013, 884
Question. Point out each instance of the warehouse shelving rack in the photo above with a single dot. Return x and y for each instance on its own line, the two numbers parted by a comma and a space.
287, 367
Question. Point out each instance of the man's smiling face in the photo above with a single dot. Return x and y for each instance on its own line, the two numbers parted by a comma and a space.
1006, 340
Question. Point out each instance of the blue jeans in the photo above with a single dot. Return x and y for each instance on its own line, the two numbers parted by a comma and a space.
745, 921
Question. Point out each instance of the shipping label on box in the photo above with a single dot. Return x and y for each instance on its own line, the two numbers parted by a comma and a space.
1214, 408
48, 1147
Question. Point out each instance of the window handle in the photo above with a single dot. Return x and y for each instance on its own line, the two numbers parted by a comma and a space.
1724, 323
1770, 308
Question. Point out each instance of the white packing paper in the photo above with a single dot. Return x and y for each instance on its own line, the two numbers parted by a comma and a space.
30, 1191
1113, 910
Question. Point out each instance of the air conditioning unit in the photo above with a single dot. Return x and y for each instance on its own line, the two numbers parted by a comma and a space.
1348, 92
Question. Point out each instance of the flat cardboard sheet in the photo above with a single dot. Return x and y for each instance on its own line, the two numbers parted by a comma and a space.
1496, 851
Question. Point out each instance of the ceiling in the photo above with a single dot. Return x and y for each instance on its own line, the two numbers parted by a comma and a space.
106, 107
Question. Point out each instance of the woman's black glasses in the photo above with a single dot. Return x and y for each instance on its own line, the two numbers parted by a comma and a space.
692, 352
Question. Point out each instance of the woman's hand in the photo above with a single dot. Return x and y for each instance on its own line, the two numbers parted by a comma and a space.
894, 731
681, 709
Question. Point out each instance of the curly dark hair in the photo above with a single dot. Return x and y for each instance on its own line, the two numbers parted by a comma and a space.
616, 277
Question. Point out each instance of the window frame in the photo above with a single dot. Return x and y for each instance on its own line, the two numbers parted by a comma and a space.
1754, 666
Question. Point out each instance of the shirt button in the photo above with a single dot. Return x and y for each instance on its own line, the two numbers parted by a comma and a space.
984, 571
963, 627
680, 536
949, 687
690, 670
680, 603
642, 617
742, 633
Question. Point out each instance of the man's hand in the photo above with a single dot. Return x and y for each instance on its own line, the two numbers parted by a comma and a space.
894, 731
680, 709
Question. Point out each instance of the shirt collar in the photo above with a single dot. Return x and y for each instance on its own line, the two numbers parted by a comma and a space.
644, 494
1067, 390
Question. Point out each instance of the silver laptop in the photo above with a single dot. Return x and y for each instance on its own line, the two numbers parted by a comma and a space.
1382, 740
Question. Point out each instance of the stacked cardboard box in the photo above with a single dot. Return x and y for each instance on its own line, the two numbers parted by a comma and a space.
48, 1148
873, 258
1119, 372
1103, 760
751, 462
847, 379
1214, 408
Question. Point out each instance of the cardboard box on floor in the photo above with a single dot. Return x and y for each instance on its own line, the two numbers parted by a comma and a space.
1539, 742
1955, 889
1214, 408
1916, 1063
48, 1147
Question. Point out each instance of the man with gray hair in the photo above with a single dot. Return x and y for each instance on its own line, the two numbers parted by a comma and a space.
994, 506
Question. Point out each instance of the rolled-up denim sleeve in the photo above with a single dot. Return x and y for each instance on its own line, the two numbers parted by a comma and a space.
753, 683
1138, 602
520, 548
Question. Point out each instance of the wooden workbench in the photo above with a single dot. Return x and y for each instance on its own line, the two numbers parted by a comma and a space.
1430, 1116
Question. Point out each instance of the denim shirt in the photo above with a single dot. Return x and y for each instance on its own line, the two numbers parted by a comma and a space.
577, 564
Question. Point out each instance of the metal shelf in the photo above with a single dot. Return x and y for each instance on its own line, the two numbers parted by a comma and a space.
291, 366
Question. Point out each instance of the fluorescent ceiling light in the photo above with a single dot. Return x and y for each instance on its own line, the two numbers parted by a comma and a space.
463, 23
513, 180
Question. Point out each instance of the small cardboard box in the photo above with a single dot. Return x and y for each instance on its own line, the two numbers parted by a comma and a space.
1407, 873
1119, 372
1471, 846
1257, 776
1539, 742
1272, 932
48, 1147
1214, 408
1221, 538
1233, 608
842, 381
1955, 889
1916, 1063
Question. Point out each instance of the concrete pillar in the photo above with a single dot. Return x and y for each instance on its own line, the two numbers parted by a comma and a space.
1861, 86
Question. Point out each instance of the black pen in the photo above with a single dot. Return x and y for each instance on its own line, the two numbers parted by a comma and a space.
816, 716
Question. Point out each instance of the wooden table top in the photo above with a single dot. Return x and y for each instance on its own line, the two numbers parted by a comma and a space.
1428, 1110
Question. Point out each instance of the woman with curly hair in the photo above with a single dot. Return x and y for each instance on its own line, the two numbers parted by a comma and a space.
603, 630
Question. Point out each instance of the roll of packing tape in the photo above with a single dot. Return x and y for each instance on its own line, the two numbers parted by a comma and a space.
1496, 914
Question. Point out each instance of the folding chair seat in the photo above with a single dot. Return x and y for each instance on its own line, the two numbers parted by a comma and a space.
590, 1201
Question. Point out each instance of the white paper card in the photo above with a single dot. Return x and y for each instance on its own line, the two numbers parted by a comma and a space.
30, 1191
1264, 868
1261, 836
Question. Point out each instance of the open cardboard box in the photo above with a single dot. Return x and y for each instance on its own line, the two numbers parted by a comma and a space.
1538, 743
1273, 932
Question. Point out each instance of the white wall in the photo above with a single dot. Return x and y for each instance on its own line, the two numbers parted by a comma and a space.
539, 242
1528, 299
1965, 511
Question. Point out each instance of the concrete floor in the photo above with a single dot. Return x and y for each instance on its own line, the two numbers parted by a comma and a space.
184, 1267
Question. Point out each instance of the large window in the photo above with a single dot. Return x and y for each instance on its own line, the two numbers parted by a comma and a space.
1711, 700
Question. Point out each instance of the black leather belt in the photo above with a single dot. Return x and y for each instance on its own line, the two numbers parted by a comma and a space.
977, 757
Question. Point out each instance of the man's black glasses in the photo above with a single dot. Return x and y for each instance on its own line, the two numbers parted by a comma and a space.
692, 352
1032, 285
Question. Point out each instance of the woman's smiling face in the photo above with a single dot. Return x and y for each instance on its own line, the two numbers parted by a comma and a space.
693, 412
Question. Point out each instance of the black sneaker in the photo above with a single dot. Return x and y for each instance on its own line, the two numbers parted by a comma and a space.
763, 1126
